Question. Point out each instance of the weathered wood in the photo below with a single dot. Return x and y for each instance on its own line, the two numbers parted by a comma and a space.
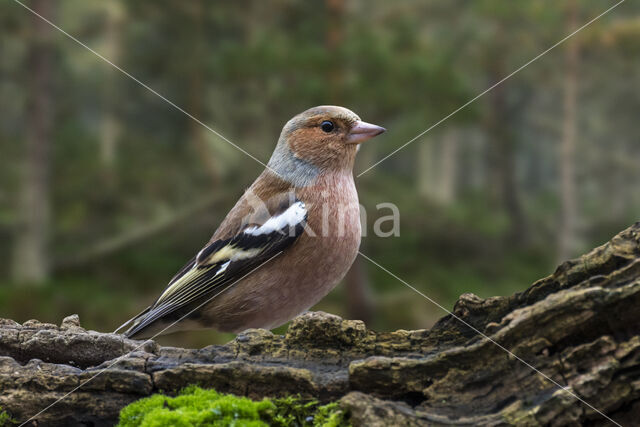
579, 326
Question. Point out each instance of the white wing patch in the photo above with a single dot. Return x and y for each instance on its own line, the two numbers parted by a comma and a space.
295, 214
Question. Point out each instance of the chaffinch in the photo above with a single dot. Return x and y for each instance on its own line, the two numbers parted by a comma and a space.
286, 243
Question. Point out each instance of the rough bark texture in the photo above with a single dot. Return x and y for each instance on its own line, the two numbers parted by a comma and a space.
578, 326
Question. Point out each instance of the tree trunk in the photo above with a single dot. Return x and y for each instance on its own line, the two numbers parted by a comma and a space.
110, 128
31, 261
448, 168
197, 91
333, 39
438, 168
578, 327
502, 154
358, 293
425, 174
567, 229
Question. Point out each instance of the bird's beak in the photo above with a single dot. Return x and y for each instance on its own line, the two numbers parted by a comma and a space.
363, 131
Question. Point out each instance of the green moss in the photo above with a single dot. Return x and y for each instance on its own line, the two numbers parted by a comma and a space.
6, 419
294, 411
195, 406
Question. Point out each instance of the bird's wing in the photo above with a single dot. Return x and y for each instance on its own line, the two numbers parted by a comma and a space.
222, 262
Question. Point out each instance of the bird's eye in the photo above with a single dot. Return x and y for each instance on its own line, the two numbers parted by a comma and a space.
327, 126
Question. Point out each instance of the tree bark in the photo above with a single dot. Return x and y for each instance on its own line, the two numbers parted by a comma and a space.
578, 327
31, 263
567, 229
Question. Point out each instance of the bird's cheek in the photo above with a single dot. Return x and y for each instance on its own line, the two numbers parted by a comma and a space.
300, 142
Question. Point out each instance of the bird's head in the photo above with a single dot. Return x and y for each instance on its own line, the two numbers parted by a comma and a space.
319, 139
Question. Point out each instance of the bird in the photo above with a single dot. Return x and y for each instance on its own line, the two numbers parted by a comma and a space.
288, 241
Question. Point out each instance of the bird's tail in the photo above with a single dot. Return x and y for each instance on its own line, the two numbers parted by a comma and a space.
134, 321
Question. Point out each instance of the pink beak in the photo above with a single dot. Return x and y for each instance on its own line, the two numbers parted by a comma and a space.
363, 131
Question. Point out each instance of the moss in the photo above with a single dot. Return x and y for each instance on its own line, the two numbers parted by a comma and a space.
294, 411
195, 406
6, 419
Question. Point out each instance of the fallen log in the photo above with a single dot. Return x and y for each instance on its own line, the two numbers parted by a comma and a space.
579, 328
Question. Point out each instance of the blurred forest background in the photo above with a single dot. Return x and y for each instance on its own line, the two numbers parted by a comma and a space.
107, 189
